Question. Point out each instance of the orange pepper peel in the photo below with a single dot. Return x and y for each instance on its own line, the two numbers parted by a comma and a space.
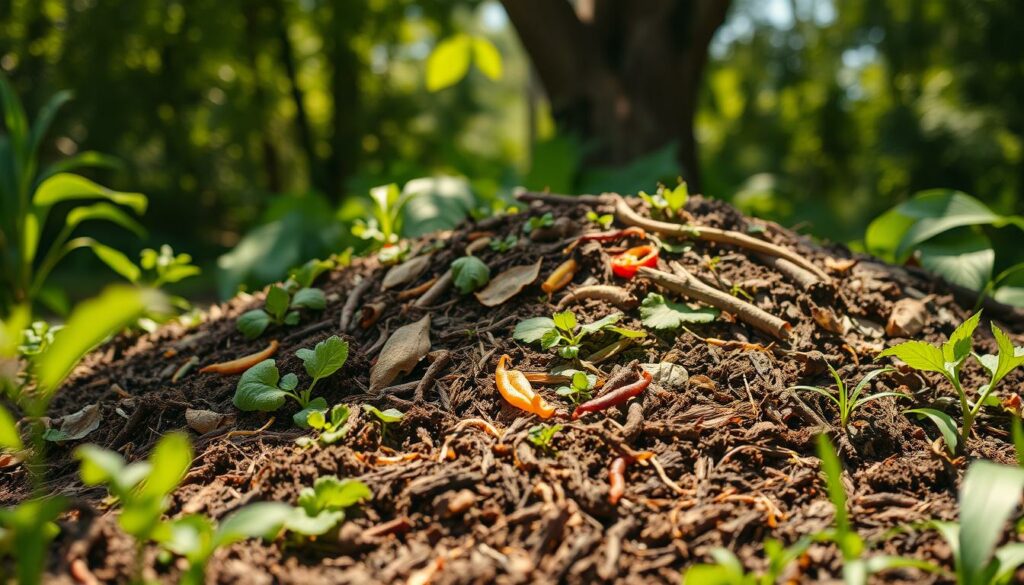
517, 391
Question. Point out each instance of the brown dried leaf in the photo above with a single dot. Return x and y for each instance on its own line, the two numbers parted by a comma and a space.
401, 352
405, 272
508, 284
205, 421
907, 319
667, 375
827, 320
76, 426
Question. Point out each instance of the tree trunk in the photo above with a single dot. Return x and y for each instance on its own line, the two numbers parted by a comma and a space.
622, 74
345, 68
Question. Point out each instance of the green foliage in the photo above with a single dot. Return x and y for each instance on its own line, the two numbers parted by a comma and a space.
542, 437
263, 388
322, 506
504, 244
604, 220
847, 403
166, 267
538, 221
281, 307
450, 59
580, 386
386, 418
330, 428
562, 331
26, 531
667, 203
948, 359
385, 226
469, 273
728, 570
657, 312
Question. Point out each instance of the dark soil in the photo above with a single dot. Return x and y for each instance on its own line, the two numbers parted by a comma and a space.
738, 446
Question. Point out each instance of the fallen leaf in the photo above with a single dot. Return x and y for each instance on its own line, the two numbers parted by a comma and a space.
401, 352
840, 265
907, 318
77, 425
407, 271
205, 421
667, 375
508, 284
827, 320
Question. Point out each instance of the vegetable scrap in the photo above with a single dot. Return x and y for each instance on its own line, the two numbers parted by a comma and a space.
517, 391
241, 364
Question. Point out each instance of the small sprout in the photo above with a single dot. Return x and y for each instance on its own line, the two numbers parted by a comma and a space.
657, 312
542, 437
504, 245
847, 403
605, 221
331, 427
36, 338
737, 291
667, 202
386, 417
579, 388
535, 223
469, 273
166, 267
322, 506
263, 388
562, 331
280, 308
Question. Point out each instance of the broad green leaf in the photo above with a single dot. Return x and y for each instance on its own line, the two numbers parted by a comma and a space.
306, 274
277, 302
1017, 433
257, 388
658, 313
259, 520
449, 62
1009, 286
288, 382
9, 437
834, 481
532, 330
171, 460
115, 259
918, 355
82, 160
550, 338
107, 212
945, 424
487, 58
469, 273
883, 235
591, 328
326, 358
309, 298
435, 203
1008, 358
253, 323
30, 527
962, 257
301, 522
190, 536
90, 323
98, 465
386, 416
15, 120
960, 341
940, 210
44, 118
66, 186
330, 493
566, 321
989, 495
312, 416
676, 198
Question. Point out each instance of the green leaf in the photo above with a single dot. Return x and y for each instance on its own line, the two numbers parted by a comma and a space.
170, 461
836, 492
312, 414
288, 382
602, 323
277, 302
253, 323
301, 522
259, 520
66, 186
15, 120
333, 494
309, 298
82, 160
115, 259
448, 62
487, 58
107, 212
989, 495
658, 313
959, 344
98, 465
291, 318
257, 388
9, 437
1008, 358
386, 416
1017, 433
90, 323
566, 321
532, 330
676, 198
918, 355
190, 536
306, 274
945, 424
469, 273
326, 358
964, 257
940, 210
1009, 558
44, 118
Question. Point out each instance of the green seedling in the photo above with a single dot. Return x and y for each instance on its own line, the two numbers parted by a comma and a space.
322, 506
141, 488
263, 388
331, 428
504, 245
164, 267
657, 312
728, 570
847, 403
280, 308
26, 531
579, 388
948, 359
384, 228
542, 437
36, 338
469, 273
667, 202
562, 331
304, 276
386, 417
538, 222
604, 221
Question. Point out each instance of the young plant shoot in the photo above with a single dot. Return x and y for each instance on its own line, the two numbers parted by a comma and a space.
562, 331
386, 418
847, 403
281, 307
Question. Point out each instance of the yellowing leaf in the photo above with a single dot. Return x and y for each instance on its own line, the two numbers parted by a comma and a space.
449, 62
487, 58
508, 284
401, 352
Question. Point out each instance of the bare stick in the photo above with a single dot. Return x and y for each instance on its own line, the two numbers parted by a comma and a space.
791, 271
352, 302
557, 199
439, 363
615, 295
435, 291
686, 284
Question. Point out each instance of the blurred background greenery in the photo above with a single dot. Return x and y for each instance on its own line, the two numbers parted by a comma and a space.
275, 118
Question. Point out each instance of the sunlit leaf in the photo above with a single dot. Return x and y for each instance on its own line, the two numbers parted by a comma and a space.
66, 186
449, 62
487, 58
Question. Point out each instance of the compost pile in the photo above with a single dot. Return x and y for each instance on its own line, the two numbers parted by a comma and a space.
714, 451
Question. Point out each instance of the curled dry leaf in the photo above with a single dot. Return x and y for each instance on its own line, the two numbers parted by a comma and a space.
508, 284
76, 426
401, 352
205, 421
405, 272
907, 319
840, 265
826, 319
667, 375
370, 314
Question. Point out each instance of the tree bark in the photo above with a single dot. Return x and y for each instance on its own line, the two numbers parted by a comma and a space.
622, 74
346, 17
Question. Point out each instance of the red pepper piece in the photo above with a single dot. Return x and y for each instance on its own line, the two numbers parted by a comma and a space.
614, 397
627, 263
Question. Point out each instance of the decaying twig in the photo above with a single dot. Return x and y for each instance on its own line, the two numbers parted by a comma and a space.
440, 362
349, 308
804, 278
435, 291
614, 295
